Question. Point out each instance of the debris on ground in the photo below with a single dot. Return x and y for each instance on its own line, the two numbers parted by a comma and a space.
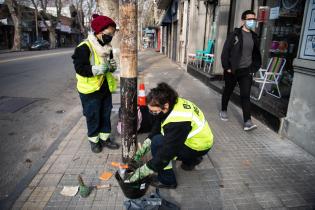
105, 176
69, 190
103, 186
83, 189
119, 165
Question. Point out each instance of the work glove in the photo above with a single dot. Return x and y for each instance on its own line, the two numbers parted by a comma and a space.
100, 69
146, 147
139, 174
113, 65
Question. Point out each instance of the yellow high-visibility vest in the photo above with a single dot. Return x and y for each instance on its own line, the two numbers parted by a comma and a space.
200, 137
88, 85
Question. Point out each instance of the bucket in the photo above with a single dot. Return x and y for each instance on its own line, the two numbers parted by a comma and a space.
133, 190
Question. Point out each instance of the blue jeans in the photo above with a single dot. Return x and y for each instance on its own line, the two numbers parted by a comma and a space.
97, 109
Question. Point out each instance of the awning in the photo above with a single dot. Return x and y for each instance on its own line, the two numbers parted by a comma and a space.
167, 17
163, 4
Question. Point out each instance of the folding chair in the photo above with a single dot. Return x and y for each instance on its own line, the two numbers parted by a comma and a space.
208, 59
271, 75
200, 54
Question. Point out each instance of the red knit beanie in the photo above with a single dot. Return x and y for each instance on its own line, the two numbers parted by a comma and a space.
100, 22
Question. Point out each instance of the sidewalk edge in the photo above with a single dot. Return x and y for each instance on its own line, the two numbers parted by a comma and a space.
22, 185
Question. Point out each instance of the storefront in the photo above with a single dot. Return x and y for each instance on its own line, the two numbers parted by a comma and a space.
279, 28
299, 124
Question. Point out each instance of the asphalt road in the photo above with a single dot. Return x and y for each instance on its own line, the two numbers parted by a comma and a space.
38, 102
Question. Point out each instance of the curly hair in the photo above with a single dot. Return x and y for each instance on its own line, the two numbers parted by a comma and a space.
161, 95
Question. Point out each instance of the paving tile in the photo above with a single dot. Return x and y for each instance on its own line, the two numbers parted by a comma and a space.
244, 170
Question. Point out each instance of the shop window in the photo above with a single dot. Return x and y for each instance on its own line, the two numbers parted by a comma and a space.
279, 29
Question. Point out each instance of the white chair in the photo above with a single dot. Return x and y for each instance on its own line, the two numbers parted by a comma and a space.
191, 58
271, 75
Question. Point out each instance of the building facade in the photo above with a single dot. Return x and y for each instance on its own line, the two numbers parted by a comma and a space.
286, 29
67, 34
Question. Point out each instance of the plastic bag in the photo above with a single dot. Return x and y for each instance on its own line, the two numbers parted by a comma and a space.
153, 202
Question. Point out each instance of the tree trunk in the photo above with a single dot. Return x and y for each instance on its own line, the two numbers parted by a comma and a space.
128, 76
110, 8
16, 18
52, 37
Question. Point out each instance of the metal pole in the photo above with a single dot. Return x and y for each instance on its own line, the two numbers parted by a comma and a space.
128, 76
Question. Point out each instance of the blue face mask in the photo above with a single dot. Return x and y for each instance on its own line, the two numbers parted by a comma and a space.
250, 24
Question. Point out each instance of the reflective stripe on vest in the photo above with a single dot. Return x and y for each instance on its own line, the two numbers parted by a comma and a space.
87, 85
200, 137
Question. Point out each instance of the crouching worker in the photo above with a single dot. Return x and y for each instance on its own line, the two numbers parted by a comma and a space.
183, 134
94, 65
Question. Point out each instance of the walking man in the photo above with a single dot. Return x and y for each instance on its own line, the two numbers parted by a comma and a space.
240, 59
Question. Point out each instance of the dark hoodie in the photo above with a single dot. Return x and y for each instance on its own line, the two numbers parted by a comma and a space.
232, 52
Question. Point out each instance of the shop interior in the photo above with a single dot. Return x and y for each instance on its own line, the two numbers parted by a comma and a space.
279, 28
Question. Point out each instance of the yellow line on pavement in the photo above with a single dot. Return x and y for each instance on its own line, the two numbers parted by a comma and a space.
35, 56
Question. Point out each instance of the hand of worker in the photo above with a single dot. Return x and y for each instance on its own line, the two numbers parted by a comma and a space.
100, 69
139, 174
228, 71
113, 65
133, 164
146, 147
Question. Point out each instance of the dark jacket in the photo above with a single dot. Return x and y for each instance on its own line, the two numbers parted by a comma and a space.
82, 66
232, 51
175, 135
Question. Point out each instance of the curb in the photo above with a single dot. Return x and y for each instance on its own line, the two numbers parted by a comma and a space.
22, 185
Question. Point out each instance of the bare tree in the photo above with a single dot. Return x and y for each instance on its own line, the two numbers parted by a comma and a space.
52, 22
81, 13
15, 11
91, 6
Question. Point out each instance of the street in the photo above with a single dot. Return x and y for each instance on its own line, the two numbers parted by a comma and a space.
38, 102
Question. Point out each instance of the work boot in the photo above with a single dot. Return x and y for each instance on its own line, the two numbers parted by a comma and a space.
224, 116
96, 147
249, 125
191, 167
109, 143
156, 183
187, 167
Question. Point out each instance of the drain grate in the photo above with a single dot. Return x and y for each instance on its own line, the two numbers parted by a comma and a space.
14, 104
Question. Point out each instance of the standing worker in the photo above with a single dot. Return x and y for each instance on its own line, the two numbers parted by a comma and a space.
240, 59
181, 132
94, 64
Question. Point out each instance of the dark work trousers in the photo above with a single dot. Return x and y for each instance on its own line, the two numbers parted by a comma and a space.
97, 108
185, 154
244, 81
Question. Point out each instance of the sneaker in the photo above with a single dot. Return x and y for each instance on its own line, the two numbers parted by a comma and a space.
96, 147
249, 125
109, 143
224, 116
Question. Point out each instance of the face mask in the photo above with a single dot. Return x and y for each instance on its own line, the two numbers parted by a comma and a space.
155, 113
106, 38
250, 24
159, 114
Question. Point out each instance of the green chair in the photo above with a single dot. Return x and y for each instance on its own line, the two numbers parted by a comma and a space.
201, 54
208, 60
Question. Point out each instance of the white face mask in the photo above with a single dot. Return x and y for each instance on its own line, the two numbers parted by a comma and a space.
250, 24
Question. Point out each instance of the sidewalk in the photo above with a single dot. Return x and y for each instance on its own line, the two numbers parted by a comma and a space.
254, 170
